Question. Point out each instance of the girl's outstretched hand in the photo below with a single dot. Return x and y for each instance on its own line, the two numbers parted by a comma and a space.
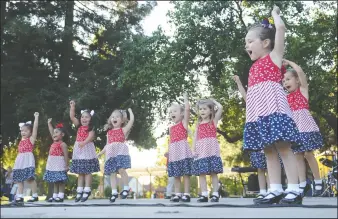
275, 10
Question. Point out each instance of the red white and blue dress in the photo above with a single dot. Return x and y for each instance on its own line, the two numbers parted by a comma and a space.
84, 160
56, 166
180, 155
24, 166
268, 115
116, 152
208, 151
309, 131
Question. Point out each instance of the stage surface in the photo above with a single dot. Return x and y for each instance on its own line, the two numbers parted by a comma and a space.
321, 207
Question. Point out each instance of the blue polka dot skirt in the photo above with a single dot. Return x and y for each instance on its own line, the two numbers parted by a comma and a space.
180, 167
258, 160
113, 164
270, 129
311, 141
207, 165
55, 176
85, 166
21, 175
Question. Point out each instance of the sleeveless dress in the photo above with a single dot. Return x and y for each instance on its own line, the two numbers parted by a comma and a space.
180, 155
24, 167
309, 131
268, 115
207, 149
84, 160
56, 165
117, 152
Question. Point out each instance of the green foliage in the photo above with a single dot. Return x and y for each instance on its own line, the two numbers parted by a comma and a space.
107, 191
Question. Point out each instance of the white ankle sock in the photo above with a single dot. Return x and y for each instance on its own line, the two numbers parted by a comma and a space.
19, 196
318, 181
55, 195
301, 186
61, 195
79, 190
292, 188
86, 189
179, 194
35, 195
205, 194
276, 189
262, 191
215, 194
126, 188
114, 191
187, 194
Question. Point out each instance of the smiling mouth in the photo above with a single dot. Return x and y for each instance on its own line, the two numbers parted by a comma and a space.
114, 122
249, 52
173, 117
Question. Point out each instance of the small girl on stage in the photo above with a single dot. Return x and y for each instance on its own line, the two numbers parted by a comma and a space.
180, 155
24, 167
206, 148
296, 84
57, 162
269, 124
116, 150
84, 160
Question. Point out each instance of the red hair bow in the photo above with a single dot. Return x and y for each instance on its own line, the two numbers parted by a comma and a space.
60, 125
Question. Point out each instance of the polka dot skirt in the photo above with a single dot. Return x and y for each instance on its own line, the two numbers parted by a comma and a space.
270, 129
21, 175
85, 166
55, 176
258, 160
311, 141
113, 164
207, 165
180, 168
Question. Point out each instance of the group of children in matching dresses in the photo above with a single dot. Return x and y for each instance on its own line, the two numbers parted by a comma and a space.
279, 132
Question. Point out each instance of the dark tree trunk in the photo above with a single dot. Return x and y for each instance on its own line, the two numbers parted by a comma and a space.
3, 15
67, 46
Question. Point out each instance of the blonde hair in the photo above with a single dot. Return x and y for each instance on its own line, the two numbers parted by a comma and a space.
179, 105
208, 103
294, 74
109, 124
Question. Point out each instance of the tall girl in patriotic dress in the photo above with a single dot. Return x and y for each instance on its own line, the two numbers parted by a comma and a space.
24, 167
296, 84
257, 158
180, 155
117, 152
57, 162
84, 159
206, 148
269, 123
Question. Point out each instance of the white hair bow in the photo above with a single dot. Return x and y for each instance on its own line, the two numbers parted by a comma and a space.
91, 112
22, 123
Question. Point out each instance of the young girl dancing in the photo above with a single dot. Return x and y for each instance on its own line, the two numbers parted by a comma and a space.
180, 155
84, 160
257, 158
295, 83
117, 152
206, 148
24, 167
57, 162
269, 124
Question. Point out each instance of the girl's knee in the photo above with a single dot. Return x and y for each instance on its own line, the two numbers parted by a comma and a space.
308, 154
122, 171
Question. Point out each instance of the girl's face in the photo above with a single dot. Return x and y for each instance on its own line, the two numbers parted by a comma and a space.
25, 132
116, 119
290, 82
58, 135
175, 113
85, 118
204, 111
254, 46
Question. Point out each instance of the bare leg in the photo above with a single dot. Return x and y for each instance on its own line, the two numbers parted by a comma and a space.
187, 184
124, 177
80, 185
261, 180
290, 167
301, 167
177, 185
88, 180
267, 179
203, 185
113, 182
33, 186
19, 193
310, 157
214, 180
